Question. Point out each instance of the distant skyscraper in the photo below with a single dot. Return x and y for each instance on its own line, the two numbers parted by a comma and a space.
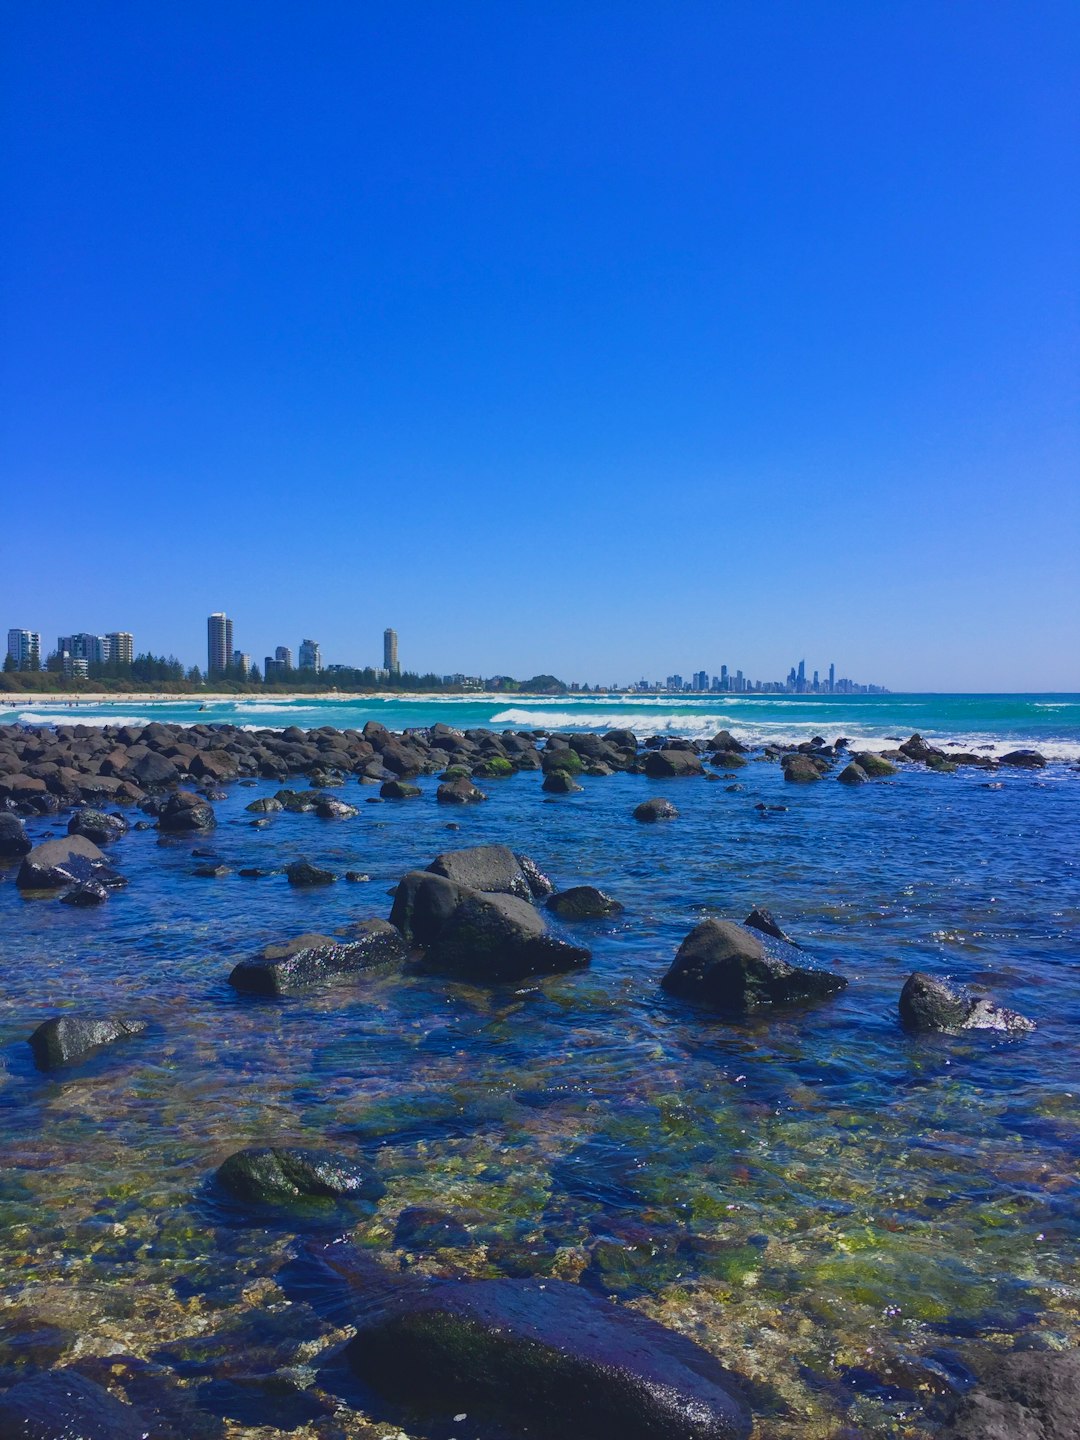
24, 647
310, 658
241, 662
389, 652
832, 678
283, 656
219, 643
120, 647
800, 679
83, 646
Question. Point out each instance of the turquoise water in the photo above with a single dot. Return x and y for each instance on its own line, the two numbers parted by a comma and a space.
999, 721
841, 1212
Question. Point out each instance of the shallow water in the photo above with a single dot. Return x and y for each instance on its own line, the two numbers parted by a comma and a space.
839, 1211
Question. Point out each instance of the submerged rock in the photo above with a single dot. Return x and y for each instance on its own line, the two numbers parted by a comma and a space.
583, 902
722, 965
304, 875
650, 811
68, 1038
64, 1405
1028, 1395
459, 792
801, 769
874, 765
560, 782
184, 811
319, 959
279, 1174
399, 790
549, 1358
929, 1004
853, 774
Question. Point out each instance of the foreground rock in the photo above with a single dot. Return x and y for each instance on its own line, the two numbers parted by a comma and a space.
459, 792
319, 960
95, 825
802, 769
649, 811
304, 875
549, 1358
853, 774
64, 1405
478, 935
722, 965
1024, 759
56, 864
583, 902
70, 1038
1028, 1395
927, 1004
664, 764
280, 1174
874, 765
184, 812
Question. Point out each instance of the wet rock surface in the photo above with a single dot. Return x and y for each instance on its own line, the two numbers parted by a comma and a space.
283, 969
67, 1039
1029, 1395
550, 1357
724, 966
927, 1005
282, 1174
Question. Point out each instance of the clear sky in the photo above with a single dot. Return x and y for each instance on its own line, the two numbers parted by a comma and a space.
605, 339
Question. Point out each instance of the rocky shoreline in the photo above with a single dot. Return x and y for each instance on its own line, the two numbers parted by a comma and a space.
535, 1357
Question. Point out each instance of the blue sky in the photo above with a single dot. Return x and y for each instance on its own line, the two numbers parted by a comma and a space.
595, 338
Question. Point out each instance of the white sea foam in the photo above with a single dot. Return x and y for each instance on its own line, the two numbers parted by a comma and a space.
76, 717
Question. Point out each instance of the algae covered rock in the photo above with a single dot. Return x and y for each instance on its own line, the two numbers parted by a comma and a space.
319, 959
874, 765
723, 965
853, 774
67, 1039
399, 790
280, 1174
549, 1359
801, 769
927, 1004
560, 782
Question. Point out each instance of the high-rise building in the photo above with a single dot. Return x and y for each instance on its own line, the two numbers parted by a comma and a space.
310, 658
241, 662
389, 652
800, 678
701, 680
84, 646
119, 647
283, 656
24, 648
832, 679
219, 643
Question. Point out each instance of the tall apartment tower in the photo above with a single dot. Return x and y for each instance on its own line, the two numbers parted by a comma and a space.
283, 656
389, 652
832, 679
310, 656
219, 643
120, 647
24, 647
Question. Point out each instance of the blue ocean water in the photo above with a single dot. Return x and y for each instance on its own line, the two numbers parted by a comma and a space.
841, 1211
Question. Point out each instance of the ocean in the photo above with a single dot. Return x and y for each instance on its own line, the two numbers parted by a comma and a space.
843, 1212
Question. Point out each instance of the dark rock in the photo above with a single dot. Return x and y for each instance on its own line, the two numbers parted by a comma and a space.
538, 883
281, 1174
724, 741
95, 825
652, 810
399, 790
853, 774
155, 772
86, 893
665, 764
1027, 1395
319, 959
459, 792
492, 868
583, 902
1024, 759
268, 805
330, 809
763, 920
561, 758
184, 811
303, 874
211, 872
929, 1004
56, 864
64, 1405
560, 782
356, 877
800, 769
423, 903
495, 938
727, 759
723, 965
548, 1359
14, 842
917, 749
67, 1038
874, 765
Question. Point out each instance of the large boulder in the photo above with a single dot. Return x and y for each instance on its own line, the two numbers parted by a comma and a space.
667, 764
1027, 1395
492, 868
1024, 759
801, 769
184, 812
423, 902
14, 842
459, 792
560, 782
102, 829
319, 959
853, 774
561, 757
927, 1004
874, 765
548, 1359
282, 1174
155, 772
56, 864
64, 1405
69, 1038
723, 965
495, 938
304, 875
